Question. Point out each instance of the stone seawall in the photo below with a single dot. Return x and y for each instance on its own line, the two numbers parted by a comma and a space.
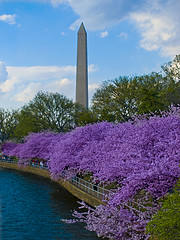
67, 185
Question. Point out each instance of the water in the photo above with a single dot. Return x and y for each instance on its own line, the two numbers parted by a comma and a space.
31, 208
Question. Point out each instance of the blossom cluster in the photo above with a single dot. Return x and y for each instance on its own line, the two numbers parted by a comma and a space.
143, 154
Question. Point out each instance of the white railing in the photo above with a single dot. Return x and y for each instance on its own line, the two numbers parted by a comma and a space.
91, 188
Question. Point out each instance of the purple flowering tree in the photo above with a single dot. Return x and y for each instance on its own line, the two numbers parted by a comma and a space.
36, 145
141, 158
8, 147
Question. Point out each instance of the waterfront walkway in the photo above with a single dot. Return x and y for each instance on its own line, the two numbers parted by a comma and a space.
92, 189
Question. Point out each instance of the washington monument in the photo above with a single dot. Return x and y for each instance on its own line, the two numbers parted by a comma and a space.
82, 69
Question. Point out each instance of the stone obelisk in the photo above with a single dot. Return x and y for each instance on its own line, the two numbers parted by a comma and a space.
82, 68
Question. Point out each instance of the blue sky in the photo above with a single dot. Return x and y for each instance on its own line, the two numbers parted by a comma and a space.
38, 41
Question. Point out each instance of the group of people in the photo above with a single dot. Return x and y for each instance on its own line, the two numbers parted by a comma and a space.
5, 158
34, 162
39, 163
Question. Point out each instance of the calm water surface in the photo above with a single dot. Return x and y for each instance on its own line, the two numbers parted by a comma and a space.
31, 208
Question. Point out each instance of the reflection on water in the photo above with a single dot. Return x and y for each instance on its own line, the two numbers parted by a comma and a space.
32, 208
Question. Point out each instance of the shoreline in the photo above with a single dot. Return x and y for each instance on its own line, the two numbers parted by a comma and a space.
81, 195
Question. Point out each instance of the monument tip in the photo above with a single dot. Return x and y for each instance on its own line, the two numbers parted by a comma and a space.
82, 28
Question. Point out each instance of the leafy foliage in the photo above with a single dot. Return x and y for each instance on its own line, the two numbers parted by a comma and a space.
27, 123
119, 99
149, 93
84, 117
116, 100
8, 123
47, 111
172, 69
165, 225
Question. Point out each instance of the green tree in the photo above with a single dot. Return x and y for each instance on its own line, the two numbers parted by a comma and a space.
165, 225
84, 117
116, 100
8, 123
27, 122
171, 93
172, 68
149, 93
172, 73
47, 111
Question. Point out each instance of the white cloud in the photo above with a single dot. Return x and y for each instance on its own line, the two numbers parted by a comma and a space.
3, 72
44, 73
59, 84
23, 83
8, 85
156, 20
63, 82
100, 14
64, 86
18, 85
10, 19
159, 27
28, 92
104, 34
92, 68
93, 87
40, 73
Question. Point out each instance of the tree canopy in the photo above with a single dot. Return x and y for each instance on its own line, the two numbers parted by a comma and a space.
172, 69
119, 99
165, 225
47, 111
116, 100
8, 123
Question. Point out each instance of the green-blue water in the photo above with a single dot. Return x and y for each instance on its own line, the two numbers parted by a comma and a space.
31, 208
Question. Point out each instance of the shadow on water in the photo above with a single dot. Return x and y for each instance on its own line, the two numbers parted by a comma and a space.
32, 208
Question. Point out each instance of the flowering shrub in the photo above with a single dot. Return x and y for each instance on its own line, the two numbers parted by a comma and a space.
8, 147
36, 145
142, 154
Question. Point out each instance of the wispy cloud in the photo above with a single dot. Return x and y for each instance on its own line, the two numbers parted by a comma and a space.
158, 26
57, 2
8, 85
104, 34
3, 72
100, 14
123, 36
10, 19
20, 84
28, 92
41, 73
92, 87
157, 21
92, 68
